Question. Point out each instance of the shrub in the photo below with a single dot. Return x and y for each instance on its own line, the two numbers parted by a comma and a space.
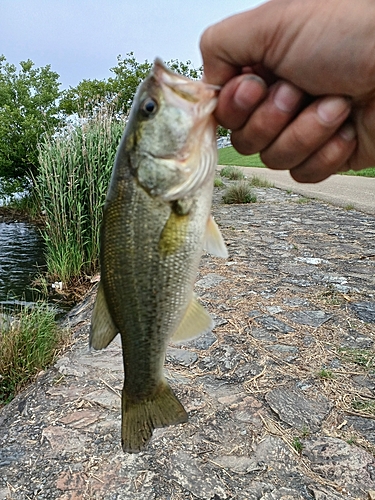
240, 192
232, 173
218, 182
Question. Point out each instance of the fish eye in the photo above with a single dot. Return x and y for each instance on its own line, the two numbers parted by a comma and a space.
149, 107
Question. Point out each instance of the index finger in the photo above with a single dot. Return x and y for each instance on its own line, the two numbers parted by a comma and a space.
231, 44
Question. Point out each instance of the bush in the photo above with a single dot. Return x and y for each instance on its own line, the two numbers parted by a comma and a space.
240, 192
232, 173
28, 342
73, 179
259, 182
218, 183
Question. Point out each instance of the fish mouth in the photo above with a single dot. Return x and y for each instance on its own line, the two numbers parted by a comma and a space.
184, 89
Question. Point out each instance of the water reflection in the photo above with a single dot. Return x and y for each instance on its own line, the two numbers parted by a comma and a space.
21, 252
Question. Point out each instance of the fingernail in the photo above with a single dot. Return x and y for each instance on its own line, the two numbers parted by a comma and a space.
348, 132
331, 108
287, 97
242, 96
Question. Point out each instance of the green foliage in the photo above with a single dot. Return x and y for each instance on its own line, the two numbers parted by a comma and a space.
240, 192
367, 172
364, 406
229, 156
260, 182
221, 131
323, 373
28, 342
28, 108
361, 357
232, 173
218, 182
74, 174
119, 90
297, 445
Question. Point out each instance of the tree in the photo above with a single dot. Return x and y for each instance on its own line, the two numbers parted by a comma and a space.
118, 90
28, 108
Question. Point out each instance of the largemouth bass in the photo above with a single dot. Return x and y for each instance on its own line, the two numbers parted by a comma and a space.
156, 223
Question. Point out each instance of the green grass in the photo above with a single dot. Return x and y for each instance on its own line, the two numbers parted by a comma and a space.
28, 342
367, 172
72, 182
218, 183
232, 173
259, 182
229, 156
364, 406
297, 445
323, 373
240, 192
361, 357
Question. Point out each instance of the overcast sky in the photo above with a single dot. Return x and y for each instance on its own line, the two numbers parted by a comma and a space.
81, 39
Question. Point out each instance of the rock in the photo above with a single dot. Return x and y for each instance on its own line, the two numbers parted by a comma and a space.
81, 419
187, 472
262, 334
312, 261
347, 465
295, 409
181, 356
202, 342
273, 454
357, 341
274, 309
274, 324
296, 302
104, 398
364, 310
365, 426
310, 318
210, 280
61, 439
238, 464
322, 493
283, 494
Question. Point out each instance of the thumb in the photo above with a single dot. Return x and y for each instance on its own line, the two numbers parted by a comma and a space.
238, 41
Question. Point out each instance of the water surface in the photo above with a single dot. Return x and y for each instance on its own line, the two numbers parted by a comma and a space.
21, 252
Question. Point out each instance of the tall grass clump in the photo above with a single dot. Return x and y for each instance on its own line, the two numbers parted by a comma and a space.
75, 169
232, 173
28, 342
240, 192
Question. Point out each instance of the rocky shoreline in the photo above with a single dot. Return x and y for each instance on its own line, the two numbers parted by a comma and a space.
280, 395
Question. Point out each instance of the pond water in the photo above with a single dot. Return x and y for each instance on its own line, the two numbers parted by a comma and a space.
21, 254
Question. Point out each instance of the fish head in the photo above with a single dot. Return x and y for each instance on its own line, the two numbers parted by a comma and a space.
171, 134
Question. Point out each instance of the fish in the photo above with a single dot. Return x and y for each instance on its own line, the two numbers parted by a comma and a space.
156, 224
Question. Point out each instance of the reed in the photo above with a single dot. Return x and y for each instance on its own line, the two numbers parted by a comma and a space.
75, 168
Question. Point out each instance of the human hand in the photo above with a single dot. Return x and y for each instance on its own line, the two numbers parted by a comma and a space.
317, 59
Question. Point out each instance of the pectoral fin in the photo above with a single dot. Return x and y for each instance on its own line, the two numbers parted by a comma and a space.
195, 321
103, 330
214, 242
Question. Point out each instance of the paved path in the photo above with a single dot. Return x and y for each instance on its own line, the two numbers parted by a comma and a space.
340, 190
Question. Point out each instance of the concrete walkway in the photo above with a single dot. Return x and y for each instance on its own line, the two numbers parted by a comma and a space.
340, 190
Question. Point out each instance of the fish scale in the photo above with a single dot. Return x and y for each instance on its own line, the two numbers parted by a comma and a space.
156, 221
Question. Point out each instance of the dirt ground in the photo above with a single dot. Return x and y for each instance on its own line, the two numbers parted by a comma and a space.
280, 395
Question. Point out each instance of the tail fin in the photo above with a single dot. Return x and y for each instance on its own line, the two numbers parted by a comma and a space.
139, 419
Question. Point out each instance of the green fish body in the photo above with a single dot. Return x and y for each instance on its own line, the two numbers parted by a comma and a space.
156, 223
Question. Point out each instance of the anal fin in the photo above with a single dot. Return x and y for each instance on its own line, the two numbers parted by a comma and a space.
103, 330
214, 242
195, 322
